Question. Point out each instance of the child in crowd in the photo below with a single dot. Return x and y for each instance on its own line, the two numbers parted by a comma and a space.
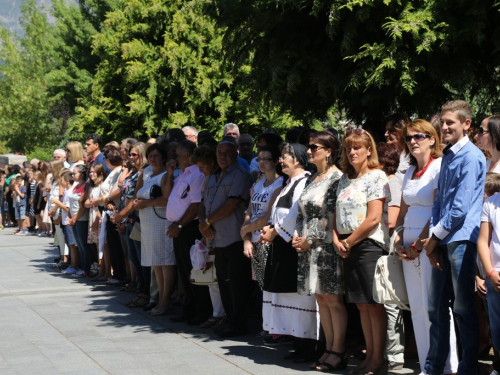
39, 202
30, 209
66, 182
488, 246
19, 198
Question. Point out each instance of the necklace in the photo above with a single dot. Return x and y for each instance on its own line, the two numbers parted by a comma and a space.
326, 170
419, 174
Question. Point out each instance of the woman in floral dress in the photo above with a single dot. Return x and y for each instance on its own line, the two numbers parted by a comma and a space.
319, 265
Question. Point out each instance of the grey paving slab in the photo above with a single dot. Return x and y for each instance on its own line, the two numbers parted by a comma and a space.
55, 324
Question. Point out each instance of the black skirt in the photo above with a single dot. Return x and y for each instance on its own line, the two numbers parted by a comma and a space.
359, 270
281, 268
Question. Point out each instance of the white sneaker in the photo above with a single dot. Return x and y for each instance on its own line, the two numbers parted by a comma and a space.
70, 271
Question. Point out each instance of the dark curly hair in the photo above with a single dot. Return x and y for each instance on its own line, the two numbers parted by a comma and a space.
388, 157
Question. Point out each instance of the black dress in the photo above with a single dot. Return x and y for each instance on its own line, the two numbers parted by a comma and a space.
281, 268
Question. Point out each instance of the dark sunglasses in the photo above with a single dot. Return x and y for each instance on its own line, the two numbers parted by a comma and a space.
314, 148
417, 137
481, 131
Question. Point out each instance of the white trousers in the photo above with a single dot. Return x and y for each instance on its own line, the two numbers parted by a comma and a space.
216, 301
59, 240
418, 279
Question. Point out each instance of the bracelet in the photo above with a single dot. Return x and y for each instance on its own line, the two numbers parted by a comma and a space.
491, 273
412, 246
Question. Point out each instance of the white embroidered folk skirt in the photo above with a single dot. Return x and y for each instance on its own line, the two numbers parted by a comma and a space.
291, 314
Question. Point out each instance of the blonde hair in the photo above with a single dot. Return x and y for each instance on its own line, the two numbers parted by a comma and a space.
57, 167
424, 127
75, 151
141, 150
358, 137
114, 144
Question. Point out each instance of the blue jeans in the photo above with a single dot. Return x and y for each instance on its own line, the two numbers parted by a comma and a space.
81, 231
493, 300
457, 278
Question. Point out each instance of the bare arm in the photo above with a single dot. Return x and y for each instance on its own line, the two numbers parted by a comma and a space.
261, 222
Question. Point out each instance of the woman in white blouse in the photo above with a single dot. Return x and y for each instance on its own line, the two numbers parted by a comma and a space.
419, 191
360, 238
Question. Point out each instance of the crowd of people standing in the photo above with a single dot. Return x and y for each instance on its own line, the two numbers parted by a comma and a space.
294, 231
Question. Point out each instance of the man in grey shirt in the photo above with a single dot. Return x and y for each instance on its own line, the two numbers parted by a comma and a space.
225, 199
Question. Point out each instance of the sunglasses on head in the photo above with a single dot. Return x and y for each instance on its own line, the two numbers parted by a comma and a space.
356, 131
417, 137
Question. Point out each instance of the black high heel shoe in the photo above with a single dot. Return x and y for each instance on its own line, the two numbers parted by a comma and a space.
340, 366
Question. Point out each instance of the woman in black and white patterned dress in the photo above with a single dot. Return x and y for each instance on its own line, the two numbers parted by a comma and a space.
319, 265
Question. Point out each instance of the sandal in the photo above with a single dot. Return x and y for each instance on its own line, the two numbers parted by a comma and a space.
136, 302
317, 363
327, 367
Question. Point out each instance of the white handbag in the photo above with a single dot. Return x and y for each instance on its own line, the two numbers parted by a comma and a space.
389, 286
205, 276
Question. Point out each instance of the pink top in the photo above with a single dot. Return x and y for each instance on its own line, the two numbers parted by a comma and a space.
186, 190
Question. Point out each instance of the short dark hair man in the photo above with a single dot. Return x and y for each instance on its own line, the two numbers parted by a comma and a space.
93, 144
225, 199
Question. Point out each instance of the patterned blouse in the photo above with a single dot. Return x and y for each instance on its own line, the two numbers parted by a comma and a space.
353, 196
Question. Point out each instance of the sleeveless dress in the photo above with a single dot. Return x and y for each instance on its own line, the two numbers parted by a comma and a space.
94, 221
320, 268
156, 248
418, 194
261, 196
284, 311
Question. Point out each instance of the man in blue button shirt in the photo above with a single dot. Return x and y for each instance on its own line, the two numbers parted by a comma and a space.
451, 249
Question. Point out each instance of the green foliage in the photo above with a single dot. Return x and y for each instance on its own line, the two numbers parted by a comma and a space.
368, 57
161, 67
40, 153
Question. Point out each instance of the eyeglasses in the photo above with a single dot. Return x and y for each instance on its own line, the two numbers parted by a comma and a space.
314, 147
481, 132
232, 134
190, 135
265, 160
283, 158
133, 154
417, 137
92, 172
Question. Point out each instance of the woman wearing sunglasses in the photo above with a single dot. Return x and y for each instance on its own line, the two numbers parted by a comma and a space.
319, 266
419, 191
360, 238
488, 139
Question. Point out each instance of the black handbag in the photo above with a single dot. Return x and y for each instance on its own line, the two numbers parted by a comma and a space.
155, 192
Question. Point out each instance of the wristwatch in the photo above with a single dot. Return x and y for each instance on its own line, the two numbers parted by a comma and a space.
179, 225
208, 222
309, 240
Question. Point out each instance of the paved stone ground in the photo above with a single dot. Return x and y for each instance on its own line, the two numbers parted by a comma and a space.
54, 324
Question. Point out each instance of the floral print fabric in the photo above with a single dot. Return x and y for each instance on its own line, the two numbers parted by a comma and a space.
319, 269
353, 196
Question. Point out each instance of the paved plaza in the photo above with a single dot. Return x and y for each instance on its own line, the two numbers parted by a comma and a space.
55, 324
